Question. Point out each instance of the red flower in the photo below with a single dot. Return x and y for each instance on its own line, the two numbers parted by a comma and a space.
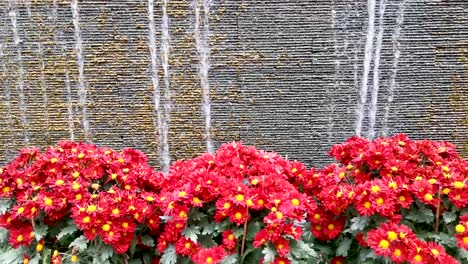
212, 255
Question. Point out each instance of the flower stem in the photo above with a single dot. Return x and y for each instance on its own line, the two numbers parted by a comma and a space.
437, 221
245, 232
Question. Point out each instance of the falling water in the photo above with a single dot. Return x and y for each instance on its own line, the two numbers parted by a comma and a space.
203, 50
157, 114
367, 62
45, 97
165, 46
396, 57
80, 62
20, 87
6, 101
375, 86
331, 105
71, 125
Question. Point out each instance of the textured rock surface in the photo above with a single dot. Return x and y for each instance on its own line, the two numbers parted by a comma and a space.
285, 75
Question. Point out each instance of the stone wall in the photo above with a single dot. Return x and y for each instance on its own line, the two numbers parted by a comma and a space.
285, 75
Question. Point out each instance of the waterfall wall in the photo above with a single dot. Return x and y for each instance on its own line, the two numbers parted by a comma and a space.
176, 78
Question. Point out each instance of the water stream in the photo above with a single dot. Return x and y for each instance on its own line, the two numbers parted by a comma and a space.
366, 66
13, 13
165, 49
203, 50
396, 57
376, 74
82, 90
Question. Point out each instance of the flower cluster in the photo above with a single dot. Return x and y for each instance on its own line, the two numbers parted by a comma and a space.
243, 185
241, 204
104, 191
462, 232
400, 244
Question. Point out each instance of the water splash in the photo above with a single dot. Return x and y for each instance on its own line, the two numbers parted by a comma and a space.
45, 97
367, 62
375, 86
165, 47
82, 91
20, 87
157, 114
71, 123
396, 58
203, 50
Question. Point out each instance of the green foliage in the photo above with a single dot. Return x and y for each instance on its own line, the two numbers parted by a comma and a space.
192, 233
169, 256
421, 215
344, 247
80, 243
69, 230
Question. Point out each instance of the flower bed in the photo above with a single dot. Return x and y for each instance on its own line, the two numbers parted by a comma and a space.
387, 199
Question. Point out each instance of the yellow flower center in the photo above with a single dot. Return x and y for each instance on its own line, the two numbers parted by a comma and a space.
435, 252
316, 216
196, 200
375, 189
367, 205
187, 245
279, 215
397, 252
48, 201
209, 260
380, 201
115, 211
428, 197
182, 194
240, 197
418, 258
392, 236
106, 227
254, 181
384, 244
227, 205
331, 226
295, 202
87, 219
91, 208
238, 215
458, 184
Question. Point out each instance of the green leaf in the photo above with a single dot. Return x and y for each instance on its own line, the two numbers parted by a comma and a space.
301, 250
81, 243
148, 241
344, 246
463, 253
231, 259
40, 231
12, 256
46, 255
169, 256
196, 215
252, 229
72, 228
135, 261
446, 240
268, 254
449, 217
5, 205
206, 241
3, 235
358, 223
366, 254
105, 252
192, 233
210, 228
238, 232
423, 215
35, 259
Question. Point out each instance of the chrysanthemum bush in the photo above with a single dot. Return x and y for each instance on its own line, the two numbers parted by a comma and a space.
390, 199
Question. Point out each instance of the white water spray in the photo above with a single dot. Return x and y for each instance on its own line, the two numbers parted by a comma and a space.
165, 48
82, 91
6, 102
331, 104
20, 88
375, 86
203, 50
45, 96
396, 58
367, 62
